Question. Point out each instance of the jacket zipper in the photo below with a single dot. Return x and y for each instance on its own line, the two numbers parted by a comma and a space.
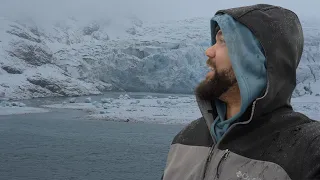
208, 161
224, 157
227, 151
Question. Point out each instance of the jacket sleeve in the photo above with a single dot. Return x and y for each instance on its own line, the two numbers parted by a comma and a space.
311, 162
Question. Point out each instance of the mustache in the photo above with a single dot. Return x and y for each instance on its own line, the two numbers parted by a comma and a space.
211, 63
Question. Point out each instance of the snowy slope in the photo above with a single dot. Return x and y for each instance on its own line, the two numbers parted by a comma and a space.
308, 72
71, 58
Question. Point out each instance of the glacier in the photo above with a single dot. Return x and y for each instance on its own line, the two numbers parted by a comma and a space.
72, 58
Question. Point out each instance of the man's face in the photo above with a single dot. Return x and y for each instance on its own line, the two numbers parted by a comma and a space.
221, 77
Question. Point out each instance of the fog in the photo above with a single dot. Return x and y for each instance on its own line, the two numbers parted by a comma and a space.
148, 10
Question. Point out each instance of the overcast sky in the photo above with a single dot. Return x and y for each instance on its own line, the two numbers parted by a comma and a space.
151, 10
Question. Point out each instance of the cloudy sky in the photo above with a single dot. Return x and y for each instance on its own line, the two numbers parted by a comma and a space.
151, 10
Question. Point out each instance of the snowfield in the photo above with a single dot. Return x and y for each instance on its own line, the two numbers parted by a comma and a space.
170, 110
150, 109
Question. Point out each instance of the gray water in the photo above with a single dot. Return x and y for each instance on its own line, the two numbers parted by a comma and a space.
64, 145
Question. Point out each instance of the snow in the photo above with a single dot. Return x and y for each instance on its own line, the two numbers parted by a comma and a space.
103, 55
309, 105
73, 58
168, 110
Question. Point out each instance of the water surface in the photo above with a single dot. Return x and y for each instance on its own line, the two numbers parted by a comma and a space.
64, 145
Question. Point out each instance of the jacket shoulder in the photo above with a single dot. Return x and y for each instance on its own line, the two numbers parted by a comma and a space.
311, 164
309, 130
195, 133
297, 147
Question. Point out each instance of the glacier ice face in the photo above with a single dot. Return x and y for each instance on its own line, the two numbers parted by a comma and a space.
308, 72
72, 58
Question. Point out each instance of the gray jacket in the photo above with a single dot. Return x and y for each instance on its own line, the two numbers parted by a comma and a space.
270, 141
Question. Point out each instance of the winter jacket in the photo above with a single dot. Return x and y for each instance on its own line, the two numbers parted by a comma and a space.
269, 141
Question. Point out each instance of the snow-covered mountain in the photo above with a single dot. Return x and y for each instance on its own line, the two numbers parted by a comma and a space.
71, 58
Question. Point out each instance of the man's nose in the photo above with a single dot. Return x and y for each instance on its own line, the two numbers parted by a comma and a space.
210, 52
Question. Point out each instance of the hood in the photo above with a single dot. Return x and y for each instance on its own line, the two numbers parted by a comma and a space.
280, 34
248, 63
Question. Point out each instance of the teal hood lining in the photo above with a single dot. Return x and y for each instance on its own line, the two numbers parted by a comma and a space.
249, 65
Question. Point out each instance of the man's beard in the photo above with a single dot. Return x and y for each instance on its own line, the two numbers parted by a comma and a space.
213, 87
